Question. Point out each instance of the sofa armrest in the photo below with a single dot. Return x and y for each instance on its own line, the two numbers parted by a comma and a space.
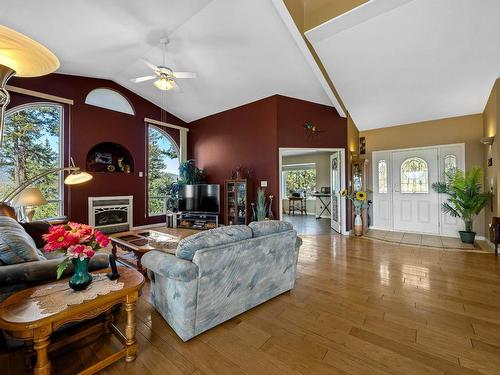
43, 270
169, 266
36, 230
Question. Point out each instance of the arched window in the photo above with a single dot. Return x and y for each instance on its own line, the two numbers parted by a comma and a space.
32, 144
414, 176
382, 177
109, 99
450, 165
163, 170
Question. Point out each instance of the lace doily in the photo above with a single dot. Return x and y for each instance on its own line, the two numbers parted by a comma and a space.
55, 298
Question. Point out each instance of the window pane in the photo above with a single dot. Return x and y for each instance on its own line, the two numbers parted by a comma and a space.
302, 181
31, 146
163, 169
450, 165
414, 176
382, 177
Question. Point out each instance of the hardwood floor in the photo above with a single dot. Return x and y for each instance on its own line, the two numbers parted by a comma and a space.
358, 307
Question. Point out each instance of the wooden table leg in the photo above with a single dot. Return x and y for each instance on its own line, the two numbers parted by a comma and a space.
130, 342
138, 256
42, 366
113, 248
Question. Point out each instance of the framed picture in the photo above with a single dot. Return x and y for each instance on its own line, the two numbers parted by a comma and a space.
362, 146
103, 158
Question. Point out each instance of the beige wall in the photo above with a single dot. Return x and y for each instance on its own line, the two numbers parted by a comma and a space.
322, 161
491, 125
463, 129
319, 11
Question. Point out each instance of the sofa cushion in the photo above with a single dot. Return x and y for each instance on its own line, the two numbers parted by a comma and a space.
214, 237
16, 246
266, 227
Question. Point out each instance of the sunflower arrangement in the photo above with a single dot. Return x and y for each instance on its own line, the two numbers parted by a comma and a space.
358, 198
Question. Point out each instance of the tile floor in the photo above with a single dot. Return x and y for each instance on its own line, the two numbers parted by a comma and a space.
422, 240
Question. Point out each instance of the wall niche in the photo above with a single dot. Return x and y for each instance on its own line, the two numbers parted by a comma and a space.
109, 157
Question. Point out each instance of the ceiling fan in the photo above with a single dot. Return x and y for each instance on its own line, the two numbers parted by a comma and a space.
164, 75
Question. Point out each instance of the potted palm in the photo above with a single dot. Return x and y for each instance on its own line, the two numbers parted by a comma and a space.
465, 198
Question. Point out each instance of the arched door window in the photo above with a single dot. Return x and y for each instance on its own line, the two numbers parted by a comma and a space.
32, 144
163, 169
414, 176
382, 177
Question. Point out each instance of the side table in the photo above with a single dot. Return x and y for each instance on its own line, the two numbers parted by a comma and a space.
23, 318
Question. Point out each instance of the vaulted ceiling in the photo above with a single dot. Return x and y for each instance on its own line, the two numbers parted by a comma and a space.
241, 50
404, 61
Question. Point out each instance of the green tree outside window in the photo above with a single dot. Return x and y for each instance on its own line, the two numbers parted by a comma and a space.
163, 167
31, 145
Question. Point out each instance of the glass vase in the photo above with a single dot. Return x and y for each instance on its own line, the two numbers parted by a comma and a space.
81, 279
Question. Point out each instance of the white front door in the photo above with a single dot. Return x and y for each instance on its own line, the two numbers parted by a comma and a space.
336, 187
415, 203
450, 157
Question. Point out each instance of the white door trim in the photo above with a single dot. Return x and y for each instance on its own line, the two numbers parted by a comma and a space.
343, 214
391, 186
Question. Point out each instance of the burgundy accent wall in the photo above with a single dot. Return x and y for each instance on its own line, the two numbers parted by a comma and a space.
294, 113
245, 136
87, 125
250, 136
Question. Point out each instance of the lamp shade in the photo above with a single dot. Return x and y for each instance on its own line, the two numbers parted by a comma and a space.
31, 196
164, 84
25, 56
77, 177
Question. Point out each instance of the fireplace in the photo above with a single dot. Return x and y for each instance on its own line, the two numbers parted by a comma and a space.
111, 214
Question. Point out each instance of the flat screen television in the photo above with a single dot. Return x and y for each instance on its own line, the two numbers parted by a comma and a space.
199, 198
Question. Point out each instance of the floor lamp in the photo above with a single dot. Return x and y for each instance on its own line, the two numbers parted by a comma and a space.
23, 57
74, 178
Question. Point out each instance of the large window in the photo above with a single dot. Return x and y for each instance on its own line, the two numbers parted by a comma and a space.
414, 176
299, 178
163, 169
32, 144
382, 177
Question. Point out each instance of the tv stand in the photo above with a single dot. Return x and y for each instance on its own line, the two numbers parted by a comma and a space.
197, 220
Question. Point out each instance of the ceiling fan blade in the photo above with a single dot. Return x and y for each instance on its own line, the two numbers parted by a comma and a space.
142, 79
149, 64
184, 75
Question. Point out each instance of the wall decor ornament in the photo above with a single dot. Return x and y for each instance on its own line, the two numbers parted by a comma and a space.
311, 129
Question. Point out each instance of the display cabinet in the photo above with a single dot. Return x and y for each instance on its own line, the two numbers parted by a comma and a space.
236, 202
359, 181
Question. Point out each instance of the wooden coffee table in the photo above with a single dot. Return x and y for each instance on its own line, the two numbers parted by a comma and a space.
22, 318
136, 243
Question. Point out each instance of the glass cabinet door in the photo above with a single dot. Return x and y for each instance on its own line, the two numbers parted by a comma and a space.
231, 203
241, 202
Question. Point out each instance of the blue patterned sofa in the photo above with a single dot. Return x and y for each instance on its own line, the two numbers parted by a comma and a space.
220, 273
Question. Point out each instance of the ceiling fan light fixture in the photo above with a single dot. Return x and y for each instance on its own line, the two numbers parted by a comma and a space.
164, 84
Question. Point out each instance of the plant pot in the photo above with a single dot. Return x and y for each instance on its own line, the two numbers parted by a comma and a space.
81, 279
467, 237
358, 225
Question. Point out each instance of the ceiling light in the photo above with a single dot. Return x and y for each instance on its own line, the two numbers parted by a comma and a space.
164, 84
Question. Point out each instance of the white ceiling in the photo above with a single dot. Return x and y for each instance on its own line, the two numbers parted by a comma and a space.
240, 49
398, 61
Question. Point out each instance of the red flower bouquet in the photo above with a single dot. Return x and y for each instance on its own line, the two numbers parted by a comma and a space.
79, 242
